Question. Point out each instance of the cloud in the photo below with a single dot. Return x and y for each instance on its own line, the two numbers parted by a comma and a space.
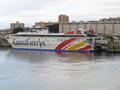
30, 11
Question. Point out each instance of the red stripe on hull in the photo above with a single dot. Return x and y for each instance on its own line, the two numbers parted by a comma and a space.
64, 43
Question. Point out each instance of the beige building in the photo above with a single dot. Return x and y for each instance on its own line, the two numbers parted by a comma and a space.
103, 26
63, 18
16, 25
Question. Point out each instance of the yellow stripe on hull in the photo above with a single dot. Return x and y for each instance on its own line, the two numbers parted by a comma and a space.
78, 45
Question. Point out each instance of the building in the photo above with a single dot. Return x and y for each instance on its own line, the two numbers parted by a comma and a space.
52, 26
16, 25
109, 20
63, 19
42, 24
103, 26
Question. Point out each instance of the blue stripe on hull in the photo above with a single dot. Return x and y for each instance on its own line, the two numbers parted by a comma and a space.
53, 50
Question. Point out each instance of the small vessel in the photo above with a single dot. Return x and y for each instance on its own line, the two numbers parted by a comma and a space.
78, 40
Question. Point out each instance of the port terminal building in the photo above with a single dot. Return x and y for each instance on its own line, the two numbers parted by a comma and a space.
110, 26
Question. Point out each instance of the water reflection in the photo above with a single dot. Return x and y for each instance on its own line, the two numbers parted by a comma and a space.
39, 56
66, 57
36, 70
29, 56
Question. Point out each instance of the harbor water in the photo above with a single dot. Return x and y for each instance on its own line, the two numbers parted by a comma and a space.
35, 70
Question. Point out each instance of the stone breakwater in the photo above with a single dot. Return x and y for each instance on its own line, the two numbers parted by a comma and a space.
4, 43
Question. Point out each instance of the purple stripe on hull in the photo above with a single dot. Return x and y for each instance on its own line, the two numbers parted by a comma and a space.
53, 50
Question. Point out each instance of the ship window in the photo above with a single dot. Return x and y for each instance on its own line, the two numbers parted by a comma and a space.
62, 39
57, 39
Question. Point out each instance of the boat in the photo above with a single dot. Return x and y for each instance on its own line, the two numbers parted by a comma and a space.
41, 40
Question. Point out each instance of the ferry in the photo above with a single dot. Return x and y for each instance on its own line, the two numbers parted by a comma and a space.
78, 40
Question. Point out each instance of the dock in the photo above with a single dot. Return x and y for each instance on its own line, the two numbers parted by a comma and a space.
109, 43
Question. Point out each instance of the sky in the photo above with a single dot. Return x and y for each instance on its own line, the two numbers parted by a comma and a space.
31, 11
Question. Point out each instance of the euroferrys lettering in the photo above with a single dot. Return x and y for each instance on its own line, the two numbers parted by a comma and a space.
29, 42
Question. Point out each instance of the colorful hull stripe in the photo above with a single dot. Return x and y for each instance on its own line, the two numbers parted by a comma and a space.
74, 44
64, 43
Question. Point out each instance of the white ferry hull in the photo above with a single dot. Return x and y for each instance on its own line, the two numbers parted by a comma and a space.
51, 43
